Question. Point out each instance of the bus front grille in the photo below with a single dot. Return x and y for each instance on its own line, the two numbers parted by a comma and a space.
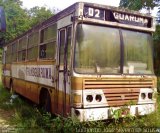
119, 92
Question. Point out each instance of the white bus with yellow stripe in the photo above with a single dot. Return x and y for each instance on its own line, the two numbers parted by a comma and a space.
88, 61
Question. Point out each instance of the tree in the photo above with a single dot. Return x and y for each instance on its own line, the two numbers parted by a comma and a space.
39, 14
139, 4
16, 18
20, 20
148, 4
158, 16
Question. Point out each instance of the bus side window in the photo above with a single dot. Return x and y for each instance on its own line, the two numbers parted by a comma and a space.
4, 57
8, 54
62, 43
32, 48
48, 42
69, 36
23, 55
14, 51
22, 49
42, 53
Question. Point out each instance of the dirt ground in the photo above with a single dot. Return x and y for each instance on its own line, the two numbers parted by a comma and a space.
5, 117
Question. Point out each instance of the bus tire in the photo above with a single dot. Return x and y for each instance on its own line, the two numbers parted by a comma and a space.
45, 101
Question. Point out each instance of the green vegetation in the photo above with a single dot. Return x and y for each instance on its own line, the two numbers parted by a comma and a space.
19, 19
148, 4
28, 118
139, 4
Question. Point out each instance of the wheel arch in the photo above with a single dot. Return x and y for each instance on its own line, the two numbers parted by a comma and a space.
43, 90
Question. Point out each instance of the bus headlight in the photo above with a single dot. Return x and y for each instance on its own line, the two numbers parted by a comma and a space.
89, 98
143, 96
150, 95
146, 95
98, 98
77, 112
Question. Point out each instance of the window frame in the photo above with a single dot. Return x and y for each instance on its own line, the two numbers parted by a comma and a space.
22, 49
34, 45
15, 51
43, 43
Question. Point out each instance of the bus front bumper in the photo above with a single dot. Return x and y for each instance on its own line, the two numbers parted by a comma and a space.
93, 114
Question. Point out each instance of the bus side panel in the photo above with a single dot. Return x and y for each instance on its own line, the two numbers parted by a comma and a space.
27, 89
60, 102
18, 77
32, 91
7, 81
20, 87
68, 107
6, 75
61, 109
53, 102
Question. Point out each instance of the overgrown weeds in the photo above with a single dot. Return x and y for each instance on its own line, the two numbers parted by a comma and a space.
27, 118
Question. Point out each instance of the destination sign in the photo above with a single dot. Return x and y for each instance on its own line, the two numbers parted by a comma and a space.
117, 16
94, 13
131, 19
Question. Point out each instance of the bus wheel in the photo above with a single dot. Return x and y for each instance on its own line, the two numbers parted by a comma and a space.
46, 101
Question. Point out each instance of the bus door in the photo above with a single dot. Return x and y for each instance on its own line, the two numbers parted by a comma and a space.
63, 71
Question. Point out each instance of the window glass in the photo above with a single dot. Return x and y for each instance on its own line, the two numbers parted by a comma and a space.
47, 50
32, 53
97, 50
50, 50
69, 30
62, 43
9, 54
137, 52
22, 55
22, 43
22, 49
9, 49
14, 52
49, 33
42, 51
33, 39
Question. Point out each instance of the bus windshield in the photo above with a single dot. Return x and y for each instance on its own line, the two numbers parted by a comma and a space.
98, 51
137, 52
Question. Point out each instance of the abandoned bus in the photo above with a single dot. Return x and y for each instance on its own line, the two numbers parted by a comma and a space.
88, 61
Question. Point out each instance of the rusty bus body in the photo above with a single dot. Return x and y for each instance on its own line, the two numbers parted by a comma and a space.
87, 61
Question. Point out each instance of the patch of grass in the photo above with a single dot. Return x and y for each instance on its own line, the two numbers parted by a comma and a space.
4, 98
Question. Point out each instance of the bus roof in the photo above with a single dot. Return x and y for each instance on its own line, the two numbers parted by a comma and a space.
73, 8
125, 10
